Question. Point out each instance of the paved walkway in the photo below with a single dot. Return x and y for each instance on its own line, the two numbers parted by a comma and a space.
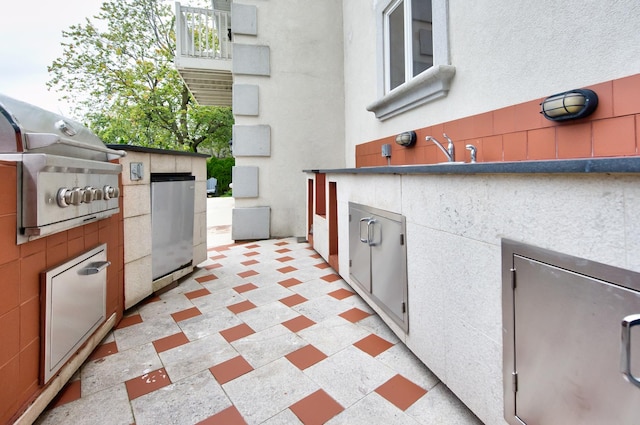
262, 333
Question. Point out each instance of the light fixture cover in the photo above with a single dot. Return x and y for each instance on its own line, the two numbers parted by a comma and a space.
406, 139
570, 105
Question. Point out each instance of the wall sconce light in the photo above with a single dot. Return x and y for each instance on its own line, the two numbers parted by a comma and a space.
570, 105
406, 139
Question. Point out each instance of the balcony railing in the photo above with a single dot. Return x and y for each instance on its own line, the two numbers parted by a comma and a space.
203, 53
202, 33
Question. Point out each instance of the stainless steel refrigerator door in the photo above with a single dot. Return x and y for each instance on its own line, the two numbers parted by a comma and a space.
172, 210
567, 353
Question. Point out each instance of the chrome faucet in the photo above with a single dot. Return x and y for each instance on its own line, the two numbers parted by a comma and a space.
473, 151
450, 152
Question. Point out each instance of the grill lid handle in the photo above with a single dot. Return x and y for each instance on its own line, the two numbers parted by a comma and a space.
43, 140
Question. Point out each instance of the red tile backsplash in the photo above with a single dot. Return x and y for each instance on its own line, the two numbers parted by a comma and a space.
614, 137
574, 141
626, 92
611, 130
9, 287
541, 144
29, 321
8, 188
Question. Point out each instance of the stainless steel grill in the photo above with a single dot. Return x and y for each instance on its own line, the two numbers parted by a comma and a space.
65, 177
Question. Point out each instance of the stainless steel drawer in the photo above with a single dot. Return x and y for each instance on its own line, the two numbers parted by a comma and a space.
75, 306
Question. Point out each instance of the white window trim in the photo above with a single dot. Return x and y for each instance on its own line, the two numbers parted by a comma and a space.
431, 84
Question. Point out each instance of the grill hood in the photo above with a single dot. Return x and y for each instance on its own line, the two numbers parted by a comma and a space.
25, 128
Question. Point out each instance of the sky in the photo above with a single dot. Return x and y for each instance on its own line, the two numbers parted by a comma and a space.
30, 37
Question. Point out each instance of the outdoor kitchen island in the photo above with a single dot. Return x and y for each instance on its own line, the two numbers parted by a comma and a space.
61, 242
458, 218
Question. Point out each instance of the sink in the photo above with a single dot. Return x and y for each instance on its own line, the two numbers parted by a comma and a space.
452, 163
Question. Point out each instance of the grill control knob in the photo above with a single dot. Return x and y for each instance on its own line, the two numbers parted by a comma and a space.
76, 196
97, 194
62, 198
88, 195
110, 192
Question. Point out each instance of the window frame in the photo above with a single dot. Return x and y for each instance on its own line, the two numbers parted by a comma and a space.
429, 85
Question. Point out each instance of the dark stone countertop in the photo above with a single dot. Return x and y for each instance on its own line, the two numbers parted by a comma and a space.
619, 165
143, 149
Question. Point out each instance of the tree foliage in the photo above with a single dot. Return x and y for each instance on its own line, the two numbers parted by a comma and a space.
118, 71
221, 169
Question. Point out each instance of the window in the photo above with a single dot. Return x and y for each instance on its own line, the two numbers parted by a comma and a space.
413, 55
408, 41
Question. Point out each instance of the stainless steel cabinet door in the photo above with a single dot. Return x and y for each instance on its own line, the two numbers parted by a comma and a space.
389, 266
359, 250
567, 348
378, 258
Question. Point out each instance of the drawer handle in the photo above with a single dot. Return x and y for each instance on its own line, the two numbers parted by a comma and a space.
625, 352
95, 268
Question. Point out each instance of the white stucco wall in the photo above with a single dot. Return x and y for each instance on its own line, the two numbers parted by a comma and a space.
302, 101
505, 53
455, 224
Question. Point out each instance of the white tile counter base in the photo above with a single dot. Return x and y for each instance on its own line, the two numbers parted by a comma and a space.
455, 224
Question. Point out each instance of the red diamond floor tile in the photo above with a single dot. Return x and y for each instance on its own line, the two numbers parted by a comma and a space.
70, 392
237, 332
169, 342
287, 269
249, 263
218, 257
316, 409
230, 370
284, 259
198, 293
293, 300
354, 315
331, 277
137, 387
245, 288
322, 266
283, 250
229, 416
248, 273
373, 345
305, 357
252, 246
207, 278
240, 307
129, 321
316, 255
251, 254
213, 266
281, 243
186, 314
104, 350
341, 294
298, 323
290, 282
401, 392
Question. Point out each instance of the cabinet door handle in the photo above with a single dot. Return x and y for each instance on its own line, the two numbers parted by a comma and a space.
370, 229
95, 268
362, 220
625, 348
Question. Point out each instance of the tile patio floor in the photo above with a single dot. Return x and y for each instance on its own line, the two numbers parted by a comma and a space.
261, 333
